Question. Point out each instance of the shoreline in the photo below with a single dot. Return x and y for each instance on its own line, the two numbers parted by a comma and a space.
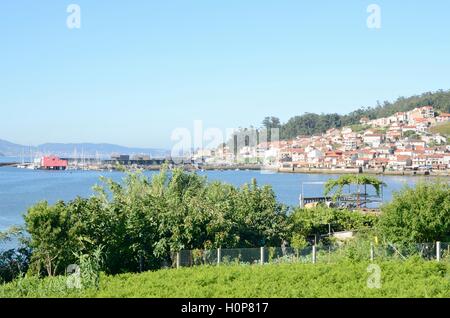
253, 167
315, 170
407, 173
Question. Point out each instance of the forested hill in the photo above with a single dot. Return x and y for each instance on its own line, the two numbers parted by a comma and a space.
310, 124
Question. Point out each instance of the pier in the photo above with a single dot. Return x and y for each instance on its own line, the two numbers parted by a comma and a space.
304, 201
8, 164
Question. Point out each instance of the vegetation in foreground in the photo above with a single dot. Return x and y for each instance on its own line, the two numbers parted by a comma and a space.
141, 224
412, 278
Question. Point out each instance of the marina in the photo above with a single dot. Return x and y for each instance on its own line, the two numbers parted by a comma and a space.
121, 162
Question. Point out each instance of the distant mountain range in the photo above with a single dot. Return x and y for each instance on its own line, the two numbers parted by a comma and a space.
102, 150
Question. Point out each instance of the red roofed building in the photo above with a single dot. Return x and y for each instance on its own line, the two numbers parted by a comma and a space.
422, 112
333, 159
379, 162
444, 117
436, 161
53, 163
400, 162
298, 155
393, 134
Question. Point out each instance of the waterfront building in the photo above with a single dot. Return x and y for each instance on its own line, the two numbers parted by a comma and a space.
119, 157
53, 163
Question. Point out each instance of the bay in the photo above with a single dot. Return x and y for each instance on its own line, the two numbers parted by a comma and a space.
21, 188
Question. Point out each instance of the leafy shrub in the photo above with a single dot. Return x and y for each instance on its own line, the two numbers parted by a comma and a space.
142, 223
420, 214
306, 223
90, 267
13, 263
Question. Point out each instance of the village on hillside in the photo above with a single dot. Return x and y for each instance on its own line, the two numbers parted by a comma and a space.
401, 142
411, 141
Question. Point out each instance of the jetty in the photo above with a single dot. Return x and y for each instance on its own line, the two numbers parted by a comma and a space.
8, 164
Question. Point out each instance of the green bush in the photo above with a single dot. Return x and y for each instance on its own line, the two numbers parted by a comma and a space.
14, 262
142, 223
307, 223
418, 215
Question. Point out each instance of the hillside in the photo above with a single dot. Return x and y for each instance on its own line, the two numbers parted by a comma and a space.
67, 150
412, 278
91, 149
10, 149
443, 129
310, 123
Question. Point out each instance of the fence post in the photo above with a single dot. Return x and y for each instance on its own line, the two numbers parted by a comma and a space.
178, 260
314, 256
141, 263
261, 252
438, 251
302, 202
219, 255
372, 252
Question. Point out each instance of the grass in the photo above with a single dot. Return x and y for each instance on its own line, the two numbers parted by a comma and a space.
443, 129
411, 278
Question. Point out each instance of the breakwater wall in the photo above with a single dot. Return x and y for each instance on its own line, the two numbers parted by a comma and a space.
7, 164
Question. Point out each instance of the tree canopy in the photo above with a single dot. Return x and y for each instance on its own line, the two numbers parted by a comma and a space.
141, 223
337, 185
312, 124
418, 215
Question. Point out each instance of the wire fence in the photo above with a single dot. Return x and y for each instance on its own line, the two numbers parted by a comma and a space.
247, 256
312, 254
321, 253
445, 252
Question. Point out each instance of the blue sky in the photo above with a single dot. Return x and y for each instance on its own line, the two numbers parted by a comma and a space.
136, 70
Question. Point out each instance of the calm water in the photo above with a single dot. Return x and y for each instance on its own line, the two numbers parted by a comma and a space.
21, 188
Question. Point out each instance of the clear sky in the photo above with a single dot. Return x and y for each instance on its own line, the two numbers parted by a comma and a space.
136, 70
